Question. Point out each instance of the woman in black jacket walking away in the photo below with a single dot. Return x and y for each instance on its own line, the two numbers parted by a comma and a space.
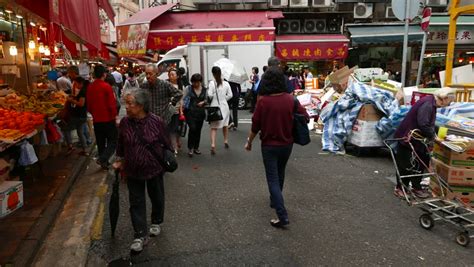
194, 111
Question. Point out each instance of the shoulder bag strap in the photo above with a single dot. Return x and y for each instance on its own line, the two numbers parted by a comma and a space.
217, 94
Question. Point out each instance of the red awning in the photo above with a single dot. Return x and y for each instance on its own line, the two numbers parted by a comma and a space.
311, 47
105, 5
147, 15
179, 28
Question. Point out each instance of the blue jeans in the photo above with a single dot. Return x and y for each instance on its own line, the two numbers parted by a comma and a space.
78, 125
275, 159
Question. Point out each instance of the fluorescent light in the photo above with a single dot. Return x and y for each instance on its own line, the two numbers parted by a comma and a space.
32, 24
13, 50
8, 11
32, 44
19, 17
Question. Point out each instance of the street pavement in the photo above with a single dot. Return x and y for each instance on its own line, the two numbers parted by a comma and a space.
341, 210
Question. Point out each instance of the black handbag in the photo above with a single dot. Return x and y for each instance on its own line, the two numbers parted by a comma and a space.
300, 127
214, 113
167, 160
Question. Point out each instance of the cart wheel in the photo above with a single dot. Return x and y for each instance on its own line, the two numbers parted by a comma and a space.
426, 221
463, 239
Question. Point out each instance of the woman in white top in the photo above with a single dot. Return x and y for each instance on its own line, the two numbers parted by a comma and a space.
219, 93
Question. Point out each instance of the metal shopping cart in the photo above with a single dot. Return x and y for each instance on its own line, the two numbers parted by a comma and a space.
439, 207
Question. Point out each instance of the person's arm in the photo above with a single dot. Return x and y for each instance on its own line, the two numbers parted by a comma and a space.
211, 91
425, 124
256, 126
88, 99
119, 150
175, 93
228, 92
302, 110
111, 101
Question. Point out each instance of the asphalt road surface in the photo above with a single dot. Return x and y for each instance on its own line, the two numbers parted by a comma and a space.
341, 209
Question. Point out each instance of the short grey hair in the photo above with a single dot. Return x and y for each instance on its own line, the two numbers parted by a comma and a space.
152, 65
142, 98
273, 62
445, 92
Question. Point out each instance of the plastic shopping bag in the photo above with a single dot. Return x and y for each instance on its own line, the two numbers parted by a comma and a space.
27, 154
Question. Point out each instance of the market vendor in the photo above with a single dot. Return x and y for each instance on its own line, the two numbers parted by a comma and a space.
413, 157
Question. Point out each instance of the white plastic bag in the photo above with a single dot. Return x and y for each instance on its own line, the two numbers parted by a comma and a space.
27, 154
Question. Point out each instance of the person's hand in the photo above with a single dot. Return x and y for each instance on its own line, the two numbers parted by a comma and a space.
118, 165
438, 140
248, 146
200, 104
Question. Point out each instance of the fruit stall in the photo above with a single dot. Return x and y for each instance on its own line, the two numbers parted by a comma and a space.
26, 125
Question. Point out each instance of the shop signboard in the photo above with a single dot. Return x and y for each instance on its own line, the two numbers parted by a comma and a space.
439, 36
131, 40
311, 51
170, 40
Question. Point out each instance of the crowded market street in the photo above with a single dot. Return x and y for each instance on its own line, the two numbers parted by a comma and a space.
342, 212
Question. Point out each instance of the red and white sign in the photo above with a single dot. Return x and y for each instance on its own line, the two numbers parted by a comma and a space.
425, 21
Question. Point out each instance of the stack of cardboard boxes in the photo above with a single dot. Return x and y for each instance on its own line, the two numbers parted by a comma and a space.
457, 169
363, 131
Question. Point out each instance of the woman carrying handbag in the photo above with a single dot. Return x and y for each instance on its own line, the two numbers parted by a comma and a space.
219, 93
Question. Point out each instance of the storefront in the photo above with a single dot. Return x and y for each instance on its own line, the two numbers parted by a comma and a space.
320, 53
33, 39
156, 29
381, 46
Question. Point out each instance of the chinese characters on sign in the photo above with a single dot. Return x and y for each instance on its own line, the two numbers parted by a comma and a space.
171, 40
311, 51
463, 36
132, 40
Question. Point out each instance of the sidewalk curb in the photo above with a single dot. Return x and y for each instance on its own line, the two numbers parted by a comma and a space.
30, 246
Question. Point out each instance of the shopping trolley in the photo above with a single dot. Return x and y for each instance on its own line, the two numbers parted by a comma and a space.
439, 207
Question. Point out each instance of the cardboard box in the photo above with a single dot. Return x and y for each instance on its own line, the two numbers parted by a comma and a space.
453, 175
11, 197
454, 159
465, 194
369, 112
364, 134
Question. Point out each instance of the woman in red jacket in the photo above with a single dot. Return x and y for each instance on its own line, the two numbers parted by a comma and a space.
273, 118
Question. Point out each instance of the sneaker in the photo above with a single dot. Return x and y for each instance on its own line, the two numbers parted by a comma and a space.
398, 192
155, 229
197, 152
420, 193
190, 153
138, 244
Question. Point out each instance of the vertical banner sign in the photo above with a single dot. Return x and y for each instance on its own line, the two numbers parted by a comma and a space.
132, 40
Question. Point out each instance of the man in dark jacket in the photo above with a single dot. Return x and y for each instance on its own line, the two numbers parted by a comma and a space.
413, 157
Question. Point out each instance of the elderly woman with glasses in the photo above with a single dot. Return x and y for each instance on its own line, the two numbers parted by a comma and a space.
141, 136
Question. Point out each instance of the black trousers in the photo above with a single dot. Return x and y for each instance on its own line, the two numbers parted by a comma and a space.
409, 164
136, 194
194, 134
106, 137
254, 101
234, 107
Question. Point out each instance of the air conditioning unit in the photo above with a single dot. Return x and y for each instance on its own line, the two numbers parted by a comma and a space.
289, 26
322, 3
314, 25
298, 3
389, 13
363, 10
278, 3
334, 25
436, 3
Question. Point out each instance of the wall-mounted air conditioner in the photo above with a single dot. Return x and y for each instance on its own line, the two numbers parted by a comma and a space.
278, 3
363, 10
314, 25
298, 3
389, 13
322, 3
289, 26
436, 3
